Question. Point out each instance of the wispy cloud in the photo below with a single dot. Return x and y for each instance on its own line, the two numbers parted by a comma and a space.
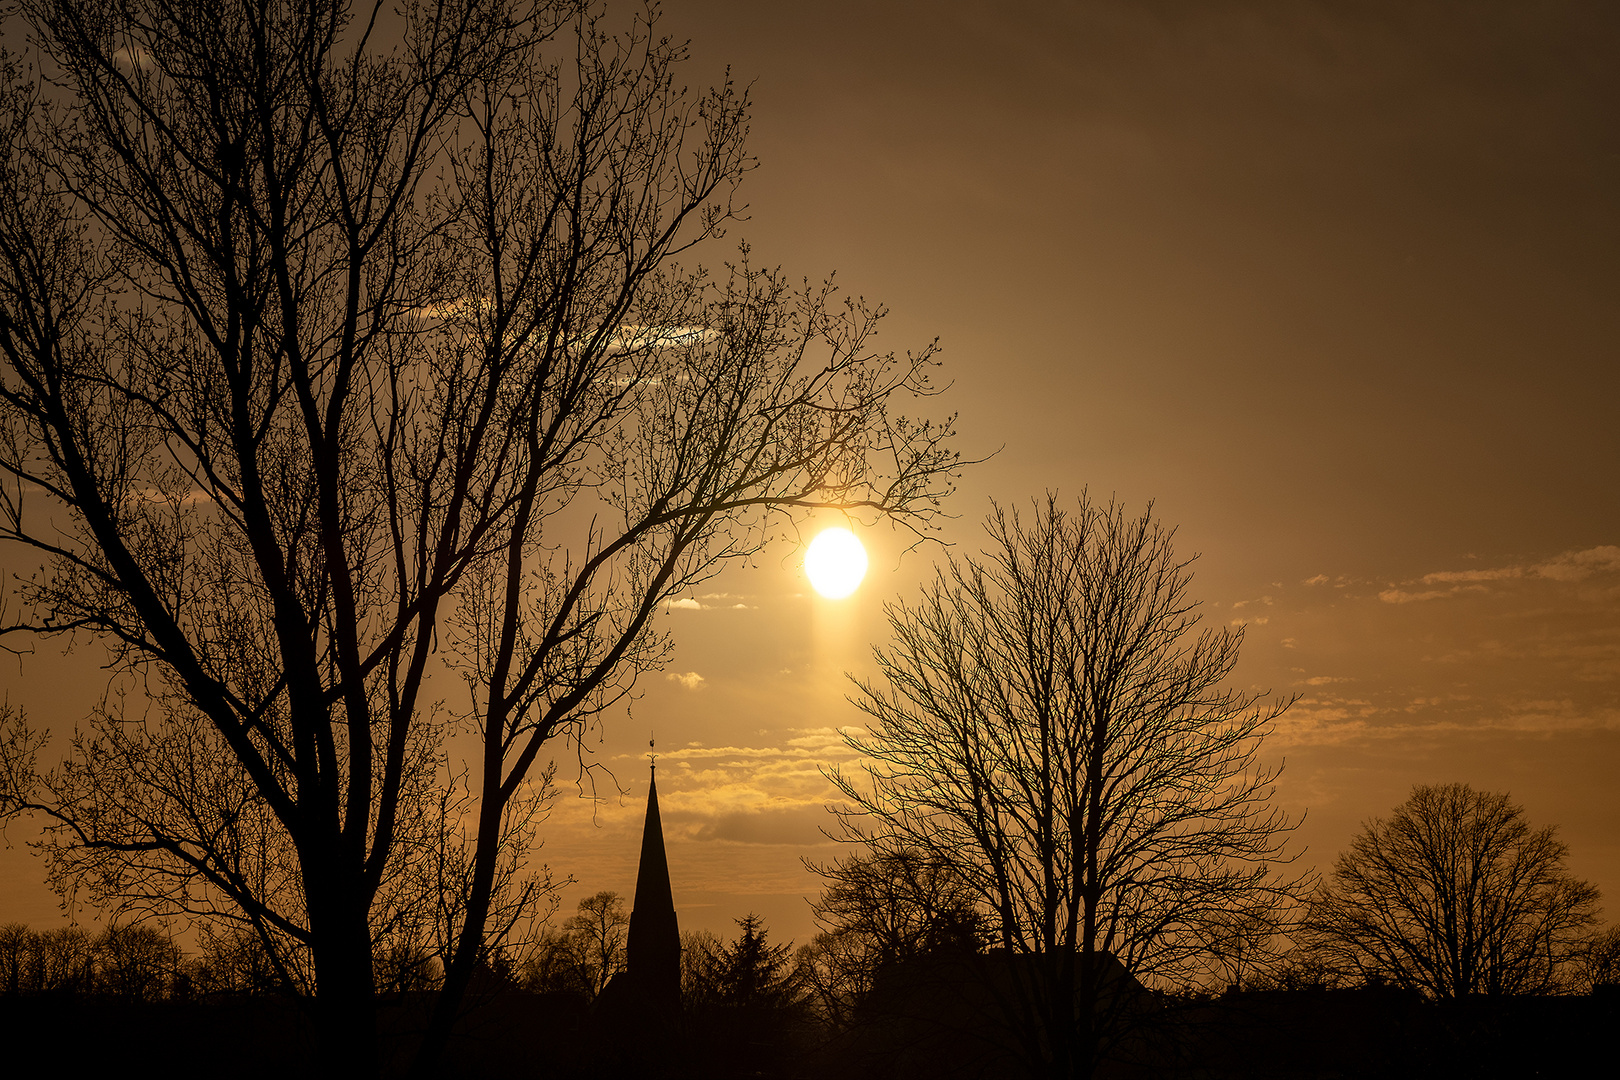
1401, 596
690, 603
1425, 719
748, 794
1579, 565
689, 679
133, 56
1571, 566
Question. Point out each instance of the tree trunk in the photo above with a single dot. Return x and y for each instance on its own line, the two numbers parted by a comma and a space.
345, 1007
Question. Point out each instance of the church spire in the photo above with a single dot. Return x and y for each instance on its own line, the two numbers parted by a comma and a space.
654, 948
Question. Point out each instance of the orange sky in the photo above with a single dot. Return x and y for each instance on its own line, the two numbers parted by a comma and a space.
1335, 284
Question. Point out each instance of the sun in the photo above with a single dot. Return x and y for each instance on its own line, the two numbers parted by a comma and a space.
835, 563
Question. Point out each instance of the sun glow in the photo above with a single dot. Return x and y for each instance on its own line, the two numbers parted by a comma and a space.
835, 563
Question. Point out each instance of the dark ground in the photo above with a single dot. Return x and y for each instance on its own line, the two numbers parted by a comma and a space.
1280, 1035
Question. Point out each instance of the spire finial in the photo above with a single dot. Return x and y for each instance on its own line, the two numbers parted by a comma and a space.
652, 756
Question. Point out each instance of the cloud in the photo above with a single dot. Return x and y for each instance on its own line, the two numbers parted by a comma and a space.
631, 336
689, 679
811, 748
824, 738
1324, 680
1568, 566
798, 826
1400, 596
1425, 720
706, 788
689, 603
133, 56
1579, 565
1319, 579
1501, 573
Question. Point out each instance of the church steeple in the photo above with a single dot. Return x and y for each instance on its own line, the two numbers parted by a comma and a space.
653, 960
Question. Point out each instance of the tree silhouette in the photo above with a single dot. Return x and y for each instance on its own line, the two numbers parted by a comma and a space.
743, 1001
754, 974
879, 908
1243, 947
906, 902
342, 342
235, 961
136, 963
1599, 961
585, 953
1051, 725
600, 926
63, 961
1454, 894
14, 948
701, 953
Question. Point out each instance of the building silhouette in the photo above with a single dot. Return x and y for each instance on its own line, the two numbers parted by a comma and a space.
653, 957
649, 987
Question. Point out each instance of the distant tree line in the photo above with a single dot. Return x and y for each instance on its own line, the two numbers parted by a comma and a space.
142, 962
588, 949
136, 963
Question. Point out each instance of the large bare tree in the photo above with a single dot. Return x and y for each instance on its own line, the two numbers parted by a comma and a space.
1455, 894
343, 343
1050, 722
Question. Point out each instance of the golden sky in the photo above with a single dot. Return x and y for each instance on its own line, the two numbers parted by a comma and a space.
1334, 284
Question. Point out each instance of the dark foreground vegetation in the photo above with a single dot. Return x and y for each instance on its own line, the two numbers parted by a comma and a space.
511, 1032
128, 997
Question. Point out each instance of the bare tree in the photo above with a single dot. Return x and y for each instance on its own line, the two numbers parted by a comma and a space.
406, 966
702, 954
879, 908
15, 939
235, 961
1599, 959
1455, 894
905, 901
338, 343
63, 961
551, 963
137, 963
838, 969
1051, 724
1245, 949
598, 931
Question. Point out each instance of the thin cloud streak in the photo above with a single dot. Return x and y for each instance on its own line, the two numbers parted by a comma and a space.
1571, 566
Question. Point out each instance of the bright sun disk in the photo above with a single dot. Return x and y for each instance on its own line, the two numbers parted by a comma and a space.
835, 563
